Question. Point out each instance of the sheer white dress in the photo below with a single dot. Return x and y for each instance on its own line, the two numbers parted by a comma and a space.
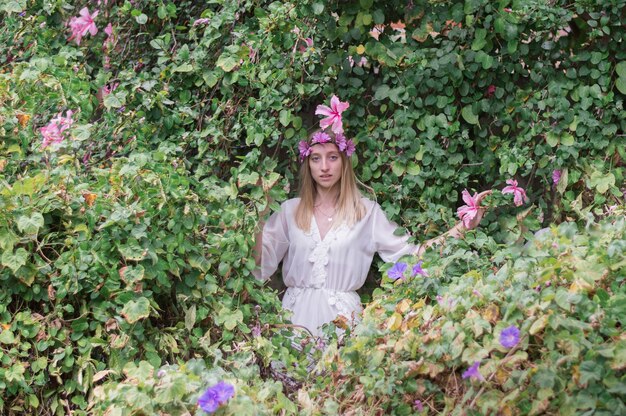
322, 276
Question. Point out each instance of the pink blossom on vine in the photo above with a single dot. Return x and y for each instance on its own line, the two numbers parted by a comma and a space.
556, 176
469, 211
82, 25
54, 131
519, 195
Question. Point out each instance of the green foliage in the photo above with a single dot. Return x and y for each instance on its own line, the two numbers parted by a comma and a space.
127, 246
564, 290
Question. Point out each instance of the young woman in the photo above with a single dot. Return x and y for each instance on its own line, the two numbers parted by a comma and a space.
328, 236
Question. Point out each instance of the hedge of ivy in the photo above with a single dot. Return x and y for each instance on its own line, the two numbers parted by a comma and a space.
126, 245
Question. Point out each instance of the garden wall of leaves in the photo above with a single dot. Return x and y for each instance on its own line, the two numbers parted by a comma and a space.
126, 242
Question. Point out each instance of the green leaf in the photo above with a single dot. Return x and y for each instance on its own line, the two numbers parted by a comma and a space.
567, 139
132, 250
190, 317
563, 180
318, 8
284, 117
601, 182
229, 318
227, 62
398, 168
7, 337
366, 4
186, 67
468, 115
14, 261
141, 19
382, 92
11, 6
30, 225
620, 68
620, 83
133, 311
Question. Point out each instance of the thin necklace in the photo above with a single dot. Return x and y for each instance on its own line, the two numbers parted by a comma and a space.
329, 218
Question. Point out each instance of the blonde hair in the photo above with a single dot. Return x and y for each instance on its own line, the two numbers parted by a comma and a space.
349, 207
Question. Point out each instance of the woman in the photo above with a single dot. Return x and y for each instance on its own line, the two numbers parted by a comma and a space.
328, 236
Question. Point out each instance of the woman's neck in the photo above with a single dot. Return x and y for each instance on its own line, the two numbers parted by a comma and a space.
327, 197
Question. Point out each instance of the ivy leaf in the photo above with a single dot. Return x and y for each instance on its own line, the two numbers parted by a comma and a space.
141, 19
468, 115
229, 318
227, 62
621, 69
14, 261
30, 225
7, 337
133, 311
620, 83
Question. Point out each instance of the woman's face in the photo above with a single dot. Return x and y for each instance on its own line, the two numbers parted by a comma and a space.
326, 165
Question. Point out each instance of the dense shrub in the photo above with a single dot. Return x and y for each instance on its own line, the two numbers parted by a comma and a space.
133, 166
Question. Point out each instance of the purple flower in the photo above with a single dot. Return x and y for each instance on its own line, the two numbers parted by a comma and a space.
418, 405
509, 337
340, 141
304, 148
202, 21
320, 137
417, 269
473, 372
350, 148
556, 176
397, 271
215, 396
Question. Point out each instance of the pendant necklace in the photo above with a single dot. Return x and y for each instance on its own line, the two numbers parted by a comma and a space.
329, 218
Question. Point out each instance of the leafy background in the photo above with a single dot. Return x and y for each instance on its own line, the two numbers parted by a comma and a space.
126, 260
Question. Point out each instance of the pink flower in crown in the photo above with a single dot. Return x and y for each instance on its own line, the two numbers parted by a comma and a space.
350, 147
340, 141
333, 114
468, 212
519, 195
108, 30
83, 24
556, 176
320, 137
305, 149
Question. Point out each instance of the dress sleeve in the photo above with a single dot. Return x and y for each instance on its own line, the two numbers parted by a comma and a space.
275, 244
389, 246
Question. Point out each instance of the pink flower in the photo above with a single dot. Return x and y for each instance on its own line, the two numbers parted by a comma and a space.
83, 24
333, 114
556, 176
468, 212
309, 42
202, 21
109, 88
340, 141
108, 30
54, 131
362, 61
490, 90
304, 148
320, 137
350, 60
519, 195
350, 148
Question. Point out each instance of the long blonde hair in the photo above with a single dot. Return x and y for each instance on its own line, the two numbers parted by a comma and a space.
349, 207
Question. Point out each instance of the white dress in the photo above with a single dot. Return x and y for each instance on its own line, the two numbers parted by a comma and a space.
322, 276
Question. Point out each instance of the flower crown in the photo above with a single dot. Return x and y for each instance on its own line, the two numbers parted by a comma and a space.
334, 121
